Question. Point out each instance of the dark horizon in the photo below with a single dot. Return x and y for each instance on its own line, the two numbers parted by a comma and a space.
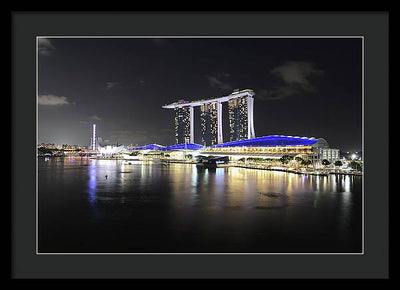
304, 87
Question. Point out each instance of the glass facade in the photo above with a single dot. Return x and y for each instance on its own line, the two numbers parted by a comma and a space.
238, 118
182, 124
209, 123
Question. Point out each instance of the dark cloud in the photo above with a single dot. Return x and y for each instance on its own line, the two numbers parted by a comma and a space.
297, 73
112, 85
296, 78
52, 100
220, 81
94, 118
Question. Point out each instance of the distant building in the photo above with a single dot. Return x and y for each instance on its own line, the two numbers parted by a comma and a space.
69, 147
329, 154
47, 146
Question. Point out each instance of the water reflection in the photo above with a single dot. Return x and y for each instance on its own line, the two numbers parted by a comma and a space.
92, 186
214, 188
220, 185
346, 183
178, 204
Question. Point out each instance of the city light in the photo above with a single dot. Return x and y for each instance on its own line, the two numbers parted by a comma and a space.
240, 107
94, 137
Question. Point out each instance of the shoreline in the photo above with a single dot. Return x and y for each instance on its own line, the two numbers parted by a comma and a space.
325, 172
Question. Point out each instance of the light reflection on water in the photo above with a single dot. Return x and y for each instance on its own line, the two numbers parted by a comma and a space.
245, 206
92, 182
214, 189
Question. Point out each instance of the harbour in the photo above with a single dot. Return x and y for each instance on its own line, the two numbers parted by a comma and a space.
148, 207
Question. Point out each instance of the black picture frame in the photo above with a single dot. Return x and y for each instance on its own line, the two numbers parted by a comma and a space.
372, 26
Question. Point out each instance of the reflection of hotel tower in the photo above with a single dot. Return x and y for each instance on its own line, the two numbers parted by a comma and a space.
240, 106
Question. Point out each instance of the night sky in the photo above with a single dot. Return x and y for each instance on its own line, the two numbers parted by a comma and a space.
304, 87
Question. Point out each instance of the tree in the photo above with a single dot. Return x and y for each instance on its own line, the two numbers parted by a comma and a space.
298, 159
338, 163
356, 165
286, 159
325, 162
306, 162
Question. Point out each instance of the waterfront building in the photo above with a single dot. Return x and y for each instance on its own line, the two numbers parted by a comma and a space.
183, 146
272, 146
149, 147
184, 124
329, 154
181, 151
241, 118
209, 117
110, 150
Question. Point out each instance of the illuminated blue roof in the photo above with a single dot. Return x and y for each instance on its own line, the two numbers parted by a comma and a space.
149, 147
190, 146
271, 140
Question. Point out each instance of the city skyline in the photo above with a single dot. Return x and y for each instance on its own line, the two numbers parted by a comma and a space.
301, 86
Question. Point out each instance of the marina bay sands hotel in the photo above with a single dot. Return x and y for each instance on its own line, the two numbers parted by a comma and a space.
240, 111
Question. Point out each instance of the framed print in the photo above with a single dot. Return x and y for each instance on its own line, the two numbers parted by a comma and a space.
251, 146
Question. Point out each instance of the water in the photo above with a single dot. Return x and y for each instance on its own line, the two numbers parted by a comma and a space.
153, 208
